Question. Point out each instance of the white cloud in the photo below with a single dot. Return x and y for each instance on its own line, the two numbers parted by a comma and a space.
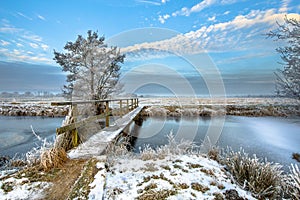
164, 1
33, 45
41, 17
212, 19
242, 33
228, 1
6, 27
4, 43
196, 8
162, 19
23, 15
19, 45
284, 7
27, 56
44, 47
155, 3
200, 6
32, 37
226, 12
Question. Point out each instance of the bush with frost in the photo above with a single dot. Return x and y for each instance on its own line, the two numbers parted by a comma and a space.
264, 179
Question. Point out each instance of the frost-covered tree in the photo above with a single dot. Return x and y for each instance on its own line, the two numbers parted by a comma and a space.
93, 69
288, 79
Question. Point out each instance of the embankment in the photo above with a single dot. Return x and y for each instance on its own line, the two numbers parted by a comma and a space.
32, 109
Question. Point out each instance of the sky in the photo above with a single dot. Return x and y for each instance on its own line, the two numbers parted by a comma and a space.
200, 47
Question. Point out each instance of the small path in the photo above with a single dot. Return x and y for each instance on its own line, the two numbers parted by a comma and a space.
65, 180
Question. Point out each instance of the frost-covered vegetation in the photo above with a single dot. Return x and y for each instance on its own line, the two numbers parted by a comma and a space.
288, 82
265, 180
172, 171
93, 68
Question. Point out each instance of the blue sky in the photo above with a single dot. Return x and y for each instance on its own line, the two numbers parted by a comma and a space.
149, 32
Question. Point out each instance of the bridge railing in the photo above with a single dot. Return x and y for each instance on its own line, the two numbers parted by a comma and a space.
108, 107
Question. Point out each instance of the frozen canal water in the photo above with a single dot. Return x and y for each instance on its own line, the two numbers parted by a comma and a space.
268, 137
16, 136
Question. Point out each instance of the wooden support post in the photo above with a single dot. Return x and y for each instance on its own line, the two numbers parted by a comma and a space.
132, 104
74, 132
121, 110
74, 112
137, 102
107, 114
127, 107
74, 137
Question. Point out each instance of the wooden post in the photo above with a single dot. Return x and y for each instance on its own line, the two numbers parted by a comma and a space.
74, 112
127, 107
121, 110
132, 104
137, 102
74, 132
107, 114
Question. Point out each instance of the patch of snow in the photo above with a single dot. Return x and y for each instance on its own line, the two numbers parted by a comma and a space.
126, 179
22, 189
97, 186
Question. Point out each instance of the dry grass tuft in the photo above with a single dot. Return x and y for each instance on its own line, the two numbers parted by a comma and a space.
53, 158
199, 187
263, 179
160, 194
213, 153
293, 183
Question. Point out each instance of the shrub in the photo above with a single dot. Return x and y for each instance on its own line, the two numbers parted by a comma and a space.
53, 158
263, 179
293, 182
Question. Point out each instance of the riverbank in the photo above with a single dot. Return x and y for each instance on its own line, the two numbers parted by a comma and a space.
33, 109
255, 107
183, 106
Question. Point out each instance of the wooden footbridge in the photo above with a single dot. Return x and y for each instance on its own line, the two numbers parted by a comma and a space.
113, 114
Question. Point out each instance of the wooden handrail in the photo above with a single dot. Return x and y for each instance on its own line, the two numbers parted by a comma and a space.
65, 103
73, 127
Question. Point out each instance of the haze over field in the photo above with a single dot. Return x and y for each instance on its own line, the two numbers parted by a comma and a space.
159, 38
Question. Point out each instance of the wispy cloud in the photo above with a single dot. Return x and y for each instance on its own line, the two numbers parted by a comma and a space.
24, 56
24, 16
162, 18
32, 37
239, 34
196, 8
44, 47
213, 18
284, 7
33, 45
41, 17
4, 43
155, 3
23, 46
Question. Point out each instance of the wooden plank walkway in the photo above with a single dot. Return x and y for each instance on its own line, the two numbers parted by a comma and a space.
96, 145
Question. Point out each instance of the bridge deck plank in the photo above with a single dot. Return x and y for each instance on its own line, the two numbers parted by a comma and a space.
96, 145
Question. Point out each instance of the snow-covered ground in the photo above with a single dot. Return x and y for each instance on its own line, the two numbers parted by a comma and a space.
132, 177
172, 177
14, 188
